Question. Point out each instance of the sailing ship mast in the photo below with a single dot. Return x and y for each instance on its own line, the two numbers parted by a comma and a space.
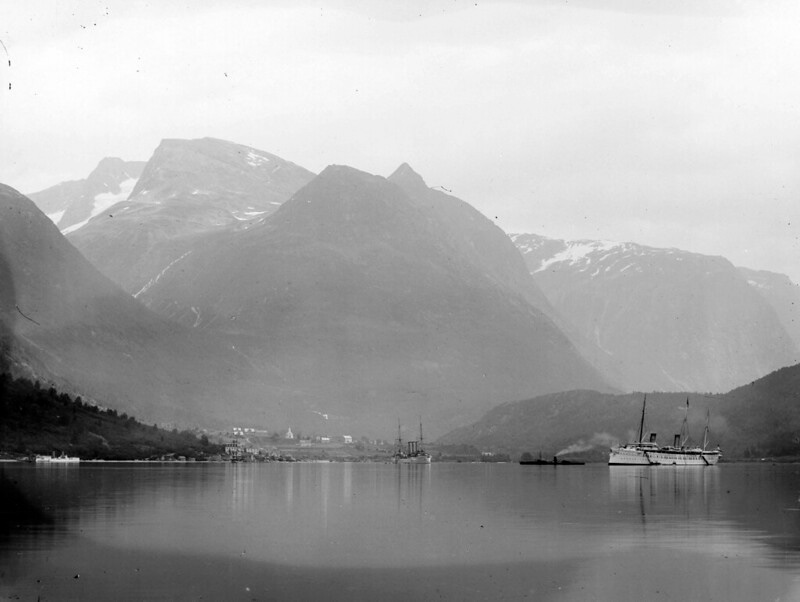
641, 424
399, 438
685, 426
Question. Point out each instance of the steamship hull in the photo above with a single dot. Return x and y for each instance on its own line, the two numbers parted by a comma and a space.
649, 453
419, 459
638, 455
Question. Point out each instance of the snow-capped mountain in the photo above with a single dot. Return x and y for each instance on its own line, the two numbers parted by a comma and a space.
188, 188
63, 322
70, 205
362, 302
661, 319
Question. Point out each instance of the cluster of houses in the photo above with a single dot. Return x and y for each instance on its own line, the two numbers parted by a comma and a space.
253, 444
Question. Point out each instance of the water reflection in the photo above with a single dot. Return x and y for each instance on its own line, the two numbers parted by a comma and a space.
667, 490
347, 483
476, 531
411, 482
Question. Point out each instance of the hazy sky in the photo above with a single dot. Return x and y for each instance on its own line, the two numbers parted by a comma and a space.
668, 123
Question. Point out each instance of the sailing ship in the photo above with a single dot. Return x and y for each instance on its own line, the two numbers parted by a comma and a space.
413, 452
649, 453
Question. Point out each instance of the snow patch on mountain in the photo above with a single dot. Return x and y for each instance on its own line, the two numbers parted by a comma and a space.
580, 251
243, 216
528, 247
158, 276
255, 159
103, 201
56, 216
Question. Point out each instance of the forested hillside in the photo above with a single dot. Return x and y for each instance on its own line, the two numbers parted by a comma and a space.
34, 420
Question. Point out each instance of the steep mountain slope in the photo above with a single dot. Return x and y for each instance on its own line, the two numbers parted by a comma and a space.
756, 420
63, 322
187, 189
350, 293
782, 294
764, 416
71, 204
662, 318
474, 237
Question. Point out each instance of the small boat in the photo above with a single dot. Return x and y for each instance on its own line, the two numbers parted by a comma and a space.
526, 460
557, 462
649, 453
413, 452
53, 459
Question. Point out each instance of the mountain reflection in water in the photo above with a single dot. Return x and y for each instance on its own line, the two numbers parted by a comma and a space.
368, 531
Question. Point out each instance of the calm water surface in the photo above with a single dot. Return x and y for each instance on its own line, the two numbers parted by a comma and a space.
380, 531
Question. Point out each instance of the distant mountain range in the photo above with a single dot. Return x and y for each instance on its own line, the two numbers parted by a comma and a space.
361, 298
667, 319
187, 189
63, 322
72, 204
238, 287
757, 420
782, 294
351, 295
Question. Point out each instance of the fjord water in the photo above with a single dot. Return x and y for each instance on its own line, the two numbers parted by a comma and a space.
381, 531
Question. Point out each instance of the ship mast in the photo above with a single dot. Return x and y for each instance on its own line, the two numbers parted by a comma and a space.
641, 424
399, 437
685, 426
420, 432
705, 434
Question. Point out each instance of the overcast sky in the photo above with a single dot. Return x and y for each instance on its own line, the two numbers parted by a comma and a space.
667, 123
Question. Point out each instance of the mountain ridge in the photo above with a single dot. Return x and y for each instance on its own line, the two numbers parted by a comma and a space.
65, 323
72, 204
187, 189
350, 292
662, 318
755, 420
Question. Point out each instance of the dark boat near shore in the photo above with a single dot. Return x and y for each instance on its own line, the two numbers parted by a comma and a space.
528, 460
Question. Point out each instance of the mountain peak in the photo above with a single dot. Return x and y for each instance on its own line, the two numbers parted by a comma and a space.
344, 171
408, 179
107, 162
111, 171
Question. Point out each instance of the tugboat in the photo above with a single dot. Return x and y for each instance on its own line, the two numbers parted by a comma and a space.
527, 460
413, 453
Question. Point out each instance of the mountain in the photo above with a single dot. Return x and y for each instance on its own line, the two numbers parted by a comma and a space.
473, 237
661, 319
188, 189
782, 294
368, 303
64, 323
753, 421
71, 204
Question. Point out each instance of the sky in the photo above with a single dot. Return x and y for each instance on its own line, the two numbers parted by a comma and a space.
669, 124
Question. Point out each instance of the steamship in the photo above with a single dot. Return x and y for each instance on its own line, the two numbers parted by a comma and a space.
649, 453
413, 452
